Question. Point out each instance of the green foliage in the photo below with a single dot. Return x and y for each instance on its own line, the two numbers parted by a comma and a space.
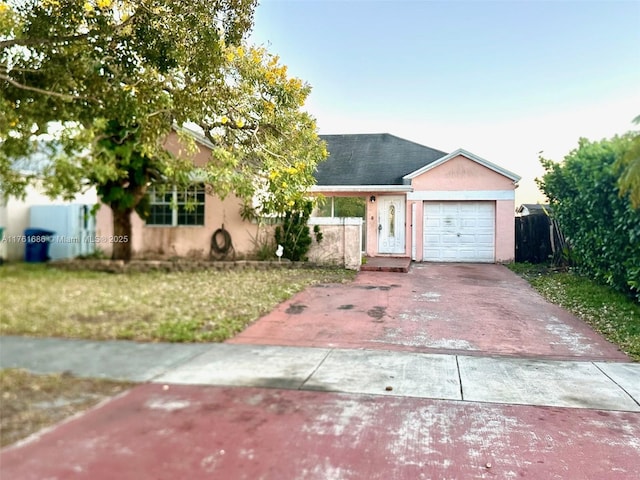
78, 63
611, 313
350, 207
97, 76
317, 233
294, 234
342, 207
628, 166
601, 226
264, 245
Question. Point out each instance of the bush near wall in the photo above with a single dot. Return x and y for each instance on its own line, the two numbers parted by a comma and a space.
601, 226
294, 234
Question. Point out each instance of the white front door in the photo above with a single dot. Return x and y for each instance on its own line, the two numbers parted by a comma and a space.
391, 224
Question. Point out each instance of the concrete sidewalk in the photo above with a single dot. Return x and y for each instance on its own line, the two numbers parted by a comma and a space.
499, 380
300, 413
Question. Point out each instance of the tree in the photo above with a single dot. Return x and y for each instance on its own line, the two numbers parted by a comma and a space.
629, 167
601, 226
114, 88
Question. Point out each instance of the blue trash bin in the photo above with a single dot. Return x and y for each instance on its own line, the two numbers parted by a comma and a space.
37, 245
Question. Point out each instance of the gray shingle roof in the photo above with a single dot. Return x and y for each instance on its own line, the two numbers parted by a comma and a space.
372, 159
534, 208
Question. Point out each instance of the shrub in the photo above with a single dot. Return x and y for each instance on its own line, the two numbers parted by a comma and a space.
294, 234
601, 225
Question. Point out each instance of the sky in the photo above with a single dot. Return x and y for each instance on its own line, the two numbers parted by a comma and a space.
504, 80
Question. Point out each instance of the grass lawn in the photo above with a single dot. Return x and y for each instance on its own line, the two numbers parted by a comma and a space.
31, 402
200, 306
612, 314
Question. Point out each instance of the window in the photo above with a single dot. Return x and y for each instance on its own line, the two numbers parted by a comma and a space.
174, 206
345, 207
342, 207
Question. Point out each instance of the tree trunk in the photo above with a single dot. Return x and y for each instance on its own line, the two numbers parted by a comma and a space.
121, 234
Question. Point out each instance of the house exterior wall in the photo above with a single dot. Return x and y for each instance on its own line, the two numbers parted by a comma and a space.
460, 173
370, 227
341, 242
186, 241
461, 179
505, 231
458, 179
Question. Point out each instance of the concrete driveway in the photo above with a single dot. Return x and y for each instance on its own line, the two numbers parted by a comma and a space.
470, 309
396, 376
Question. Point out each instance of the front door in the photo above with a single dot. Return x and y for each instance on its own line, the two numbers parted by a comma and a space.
391, 224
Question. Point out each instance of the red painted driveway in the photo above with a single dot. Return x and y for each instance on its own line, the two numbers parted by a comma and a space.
158, 431
248, 433
477, 309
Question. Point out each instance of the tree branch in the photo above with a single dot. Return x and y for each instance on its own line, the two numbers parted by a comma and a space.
65, 96
30, 42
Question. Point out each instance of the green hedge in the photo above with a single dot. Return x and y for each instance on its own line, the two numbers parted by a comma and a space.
601, 226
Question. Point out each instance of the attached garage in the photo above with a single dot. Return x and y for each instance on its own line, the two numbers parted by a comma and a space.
423, 203
459, 231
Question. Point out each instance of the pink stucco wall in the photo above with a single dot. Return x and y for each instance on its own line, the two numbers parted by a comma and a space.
191, 241
187, 241
460, 173
371, 218
417, 225
505, 231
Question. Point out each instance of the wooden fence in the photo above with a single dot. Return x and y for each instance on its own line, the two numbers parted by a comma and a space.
538, 239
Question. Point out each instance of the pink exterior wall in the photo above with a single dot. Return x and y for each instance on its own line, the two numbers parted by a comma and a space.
187, 241
456, 175
193, 241
371, 217
505, 231
341, 243
460, 173
465, 175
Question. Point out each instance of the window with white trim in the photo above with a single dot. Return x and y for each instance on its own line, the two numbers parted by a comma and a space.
344, 207
177, 206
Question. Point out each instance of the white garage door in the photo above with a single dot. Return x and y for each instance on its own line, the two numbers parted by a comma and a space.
459, 231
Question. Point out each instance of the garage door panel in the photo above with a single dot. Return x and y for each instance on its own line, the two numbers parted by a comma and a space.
432, 224
468, 210
459, 231
486, 238
466, 240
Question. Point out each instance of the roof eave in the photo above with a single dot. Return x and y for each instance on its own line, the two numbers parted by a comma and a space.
361, 188
197, 136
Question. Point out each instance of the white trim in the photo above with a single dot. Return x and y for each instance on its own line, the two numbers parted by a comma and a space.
470, 156
462, 195
361, 188
335, 221
197, 136
413, 232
